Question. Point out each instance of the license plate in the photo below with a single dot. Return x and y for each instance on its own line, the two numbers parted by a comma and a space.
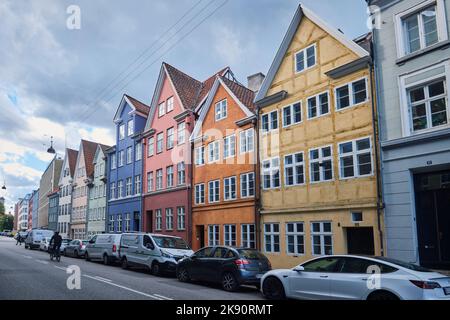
447, 291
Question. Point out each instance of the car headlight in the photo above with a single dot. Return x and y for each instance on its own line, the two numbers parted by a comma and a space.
166, 254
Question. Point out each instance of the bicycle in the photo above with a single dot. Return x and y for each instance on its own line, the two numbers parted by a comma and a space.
53, 254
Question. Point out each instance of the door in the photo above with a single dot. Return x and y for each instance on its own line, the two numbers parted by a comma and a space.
199, 262
360, 241
214, 266
136, 221
314, 281
149, 226
200, 236
432, 193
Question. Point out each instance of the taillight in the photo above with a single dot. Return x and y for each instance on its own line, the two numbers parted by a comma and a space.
114, 248
241, 262
427, 285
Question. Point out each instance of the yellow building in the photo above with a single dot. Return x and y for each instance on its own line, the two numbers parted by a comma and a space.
317, 147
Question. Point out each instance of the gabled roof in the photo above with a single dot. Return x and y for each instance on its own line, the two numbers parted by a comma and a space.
72, 159
135, 104
100, 148
301, 12
89, 148
243, 96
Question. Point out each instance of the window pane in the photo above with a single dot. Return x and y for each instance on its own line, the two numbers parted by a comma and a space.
347, 167
297, 113
300, 61
412, 33
312, 107
287, 120
363, 144
417, 95
324, 103
343, 97
430, 26
364, 164
311, 56
346, 147
359, 91
436, 89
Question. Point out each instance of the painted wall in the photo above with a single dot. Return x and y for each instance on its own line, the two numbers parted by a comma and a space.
97, 196
35, 205
53, 208
65, 200
49, 182
79, 198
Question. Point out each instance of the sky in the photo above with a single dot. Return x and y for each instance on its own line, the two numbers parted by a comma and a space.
67, 83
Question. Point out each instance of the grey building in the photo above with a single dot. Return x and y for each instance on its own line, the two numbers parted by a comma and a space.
412, 61
48, 184
53, 206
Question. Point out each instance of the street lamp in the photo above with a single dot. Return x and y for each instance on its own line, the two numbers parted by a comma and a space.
51, 150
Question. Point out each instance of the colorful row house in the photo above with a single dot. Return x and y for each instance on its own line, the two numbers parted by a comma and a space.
318, 146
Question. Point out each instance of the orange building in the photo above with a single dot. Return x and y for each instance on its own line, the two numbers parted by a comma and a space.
224, 171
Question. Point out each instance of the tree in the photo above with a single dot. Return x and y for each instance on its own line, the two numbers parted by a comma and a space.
2, 209
6, 222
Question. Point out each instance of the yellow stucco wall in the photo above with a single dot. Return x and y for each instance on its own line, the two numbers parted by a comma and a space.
323, 201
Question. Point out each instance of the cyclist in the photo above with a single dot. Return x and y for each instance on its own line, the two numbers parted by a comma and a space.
55, 243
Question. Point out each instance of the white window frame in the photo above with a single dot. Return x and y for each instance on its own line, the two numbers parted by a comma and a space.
150, 181
229, 146
159, 179
151, 147
441, 22
318, 105
305, 59
170, 140
122, 131
129, 155
272, 234
214, 230
161, 109
158, 219
138, 151
295, 234
181, 133
119, 189
229, 180
128, 186
320, 160
169, 104
137, 184
355, 154
291, 110
121, 158
200, 156
294, 166
220, 110
160, 142
270, 121
181, 173
200, 191
351, 95
322, 235
247, 189
181, 218
215, 148
170, 177
246, 235
215, 200
228, 232
271, 170
169, 219
130, 128
247, 141
113, 161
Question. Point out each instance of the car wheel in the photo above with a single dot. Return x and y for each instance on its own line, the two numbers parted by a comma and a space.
229, 282
86, 257
156, 269
124, 263
382, 295
105, 259
273, 289
183, 275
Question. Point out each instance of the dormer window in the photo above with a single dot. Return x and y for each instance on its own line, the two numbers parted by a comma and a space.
305, 59
130, 127
221, 110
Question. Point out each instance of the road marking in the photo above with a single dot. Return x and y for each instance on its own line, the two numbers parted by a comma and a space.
61, 268
42, 261
104, 279
125, 288
28, 257
163, 297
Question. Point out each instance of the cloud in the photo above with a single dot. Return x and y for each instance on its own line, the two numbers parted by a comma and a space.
228, 46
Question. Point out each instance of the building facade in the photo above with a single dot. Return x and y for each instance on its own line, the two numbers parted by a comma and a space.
53, 210
96, 221
65, 192
317, 147
48, 183
412, 59
83, 177
224, 172
125, 167
35, 207
23, 213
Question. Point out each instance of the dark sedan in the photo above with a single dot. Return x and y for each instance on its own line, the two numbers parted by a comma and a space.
231, 267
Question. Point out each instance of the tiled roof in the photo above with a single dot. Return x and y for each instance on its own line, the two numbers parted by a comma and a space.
245, 95
141, 107
207, 85
89, 149
365, 41
72, 156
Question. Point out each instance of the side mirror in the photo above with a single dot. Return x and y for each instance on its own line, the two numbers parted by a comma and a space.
299, 269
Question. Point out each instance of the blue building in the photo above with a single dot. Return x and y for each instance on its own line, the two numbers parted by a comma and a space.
124, 177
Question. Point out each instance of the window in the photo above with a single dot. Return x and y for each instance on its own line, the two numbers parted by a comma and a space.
111, 223
230, 235
294, 169
121, 158
292, 114
321, 164
271, 173
162, 109
221, 110
169, 219
200, 156
213, 235
351, 94
322, 265
120, 189
128, 187
122, 132
295, 238
200, 193
214, 191
428, 106
247, 140
181, 132
272, 237
229, 188
119, 222
248, 236
357, 216
181, 218
213, 151
130, 127
138, 152
355, 158
149, 181
170, 138
158, 219
159, 179
129, 155
127, 222
137, 184
318, 105
181, 173
305, 59
169, 173
169, 104
269, 121
159, 142
321, 237
151, 146
229, 146
247, 185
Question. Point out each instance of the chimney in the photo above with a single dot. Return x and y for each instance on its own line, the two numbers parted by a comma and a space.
255, 81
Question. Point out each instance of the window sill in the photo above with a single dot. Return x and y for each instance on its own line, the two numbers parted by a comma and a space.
411, 56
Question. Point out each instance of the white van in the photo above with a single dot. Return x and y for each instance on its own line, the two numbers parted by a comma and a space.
159, 253
35, 236
103, 247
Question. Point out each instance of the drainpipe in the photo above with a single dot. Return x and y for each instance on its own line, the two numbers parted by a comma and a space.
190, 227
257, 185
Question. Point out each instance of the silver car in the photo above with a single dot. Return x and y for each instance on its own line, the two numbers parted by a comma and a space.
45, 243
76, 248
104, 247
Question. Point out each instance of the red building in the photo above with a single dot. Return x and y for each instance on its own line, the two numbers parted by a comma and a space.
167, 151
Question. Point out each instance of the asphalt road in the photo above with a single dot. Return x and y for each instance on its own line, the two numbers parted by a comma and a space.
29, 274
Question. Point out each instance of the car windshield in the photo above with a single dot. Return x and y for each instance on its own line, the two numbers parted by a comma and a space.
251, 254
406, 265
171, 243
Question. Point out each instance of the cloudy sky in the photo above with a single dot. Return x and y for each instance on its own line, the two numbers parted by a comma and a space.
67, 83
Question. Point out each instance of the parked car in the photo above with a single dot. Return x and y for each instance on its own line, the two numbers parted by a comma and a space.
231, 267
348, 277
45, 243
33, 240
158, 253
64, 243
104, 247
76, 248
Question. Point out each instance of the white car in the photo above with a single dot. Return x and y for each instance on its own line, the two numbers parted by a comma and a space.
45, 242
347, 277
